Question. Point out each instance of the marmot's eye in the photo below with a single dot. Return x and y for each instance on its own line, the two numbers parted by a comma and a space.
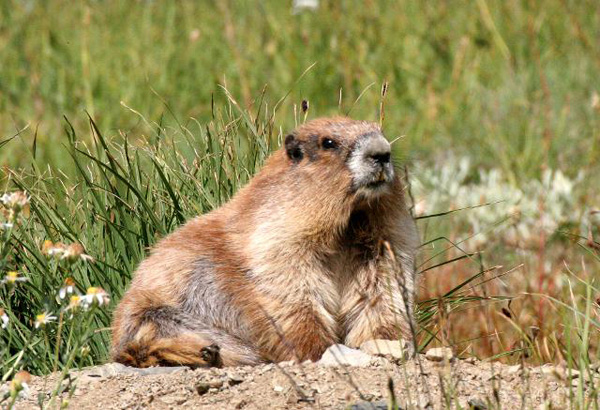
328, 143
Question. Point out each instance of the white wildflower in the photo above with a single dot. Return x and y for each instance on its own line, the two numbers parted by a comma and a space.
12, 278
53, 249
95, 295
43, 319
534, 207
3, 319
70, 253
75, 251
68, 288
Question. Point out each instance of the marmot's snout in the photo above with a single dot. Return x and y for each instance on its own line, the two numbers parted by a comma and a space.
370, 164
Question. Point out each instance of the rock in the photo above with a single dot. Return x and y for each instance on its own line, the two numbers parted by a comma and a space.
470, 360
398, 349
234, 380
437, 354
215, 384
127, 397
367, 405
177, 400
477, 404
513, 369
340, 355
555, 371
202, 388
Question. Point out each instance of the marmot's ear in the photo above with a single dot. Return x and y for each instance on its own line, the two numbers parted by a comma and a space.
293, 148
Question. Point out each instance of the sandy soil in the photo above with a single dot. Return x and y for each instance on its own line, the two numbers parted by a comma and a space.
417, 383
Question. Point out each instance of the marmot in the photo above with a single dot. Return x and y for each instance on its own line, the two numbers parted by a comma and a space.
317, 249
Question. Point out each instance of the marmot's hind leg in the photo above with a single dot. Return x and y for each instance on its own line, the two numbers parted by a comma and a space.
166, 342
187, 349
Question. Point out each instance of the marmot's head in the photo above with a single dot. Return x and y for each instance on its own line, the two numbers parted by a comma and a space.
355, 150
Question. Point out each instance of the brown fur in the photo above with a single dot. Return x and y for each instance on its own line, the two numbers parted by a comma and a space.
296, 261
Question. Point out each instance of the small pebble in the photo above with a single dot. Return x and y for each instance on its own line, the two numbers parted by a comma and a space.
202, 388
234, 380
367, 405
477, 404
437, 354
340, 355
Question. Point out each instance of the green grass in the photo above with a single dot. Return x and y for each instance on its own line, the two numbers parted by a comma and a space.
120, 200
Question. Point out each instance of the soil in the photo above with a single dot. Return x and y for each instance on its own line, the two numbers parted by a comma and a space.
417, 383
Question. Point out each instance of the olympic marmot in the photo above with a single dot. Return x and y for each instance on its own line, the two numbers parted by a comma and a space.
317, 249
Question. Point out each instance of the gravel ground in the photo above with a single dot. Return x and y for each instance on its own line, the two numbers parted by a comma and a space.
422, 382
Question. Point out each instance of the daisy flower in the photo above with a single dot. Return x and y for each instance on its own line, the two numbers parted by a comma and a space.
95, 295
68, 288
12, 278
71, 252
53, 249
75, 251
74, 302
43, 319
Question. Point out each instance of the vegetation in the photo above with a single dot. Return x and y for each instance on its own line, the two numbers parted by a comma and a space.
120, 120
509, 84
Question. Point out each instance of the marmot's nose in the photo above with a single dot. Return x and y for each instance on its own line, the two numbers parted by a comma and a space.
378, 150
381, 158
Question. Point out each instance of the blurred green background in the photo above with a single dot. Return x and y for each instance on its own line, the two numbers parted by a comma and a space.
512, 84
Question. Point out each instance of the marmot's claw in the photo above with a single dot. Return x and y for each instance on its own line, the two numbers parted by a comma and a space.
211, 355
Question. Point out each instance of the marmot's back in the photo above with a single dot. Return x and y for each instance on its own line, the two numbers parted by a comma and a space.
317, 249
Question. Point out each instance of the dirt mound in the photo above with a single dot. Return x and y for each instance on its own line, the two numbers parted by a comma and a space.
418, 383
